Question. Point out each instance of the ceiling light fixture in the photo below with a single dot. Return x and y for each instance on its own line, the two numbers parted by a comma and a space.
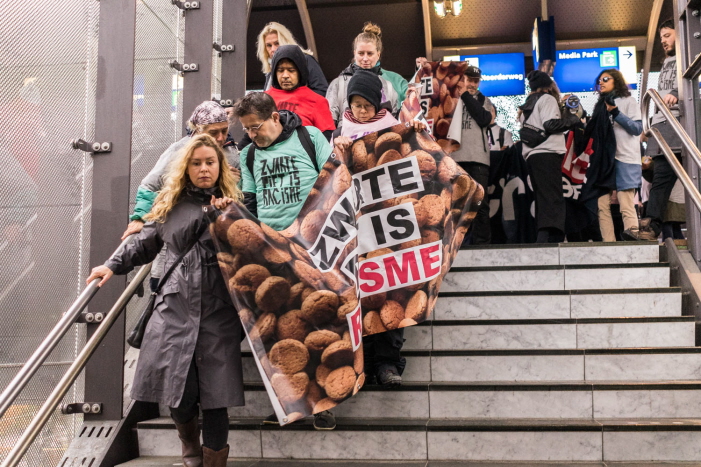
444, 8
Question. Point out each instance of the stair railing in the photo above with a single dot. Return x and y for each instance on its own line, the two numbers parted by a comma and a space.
48, 344
692, 150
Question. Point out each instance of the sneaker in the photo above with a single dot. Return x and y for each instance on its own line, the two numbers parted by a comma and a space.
643, 232
271, 420
389, 378
324, 420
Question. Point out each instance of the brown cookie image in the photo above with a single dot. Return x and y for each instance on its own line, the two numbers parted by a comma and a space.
410, 244
245, 235
320, 307
317, 341
325, 404
449, 105
272, 293
429, 235
334, 280
220, 227
248, 318
323, 178
427, 164
452, 80
300, 253
443, 93
441, 128
416, 308
370, 141
359, 360
249, 278
387, 141
310, 203
391, 314
412, 198
312, 224
442, 70
372, 323
295, 299
275, 255
362, 159
330, 202
359, 383
321, 373
428, 144
289, 356
290, 388
461, 187
273, 235
308, 274
448, 145
226, 263
432, 208
405, 149
389, 156
337, 354
400, 296
407, 322
290, 231
447, 197
291, 325
344, 309
314, 393
342, 180
436, 89
264, 328
340, 382
447, 170
373, 302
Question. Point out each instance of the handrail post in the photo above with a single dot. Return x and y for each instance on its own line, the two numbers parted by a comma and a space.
110, 193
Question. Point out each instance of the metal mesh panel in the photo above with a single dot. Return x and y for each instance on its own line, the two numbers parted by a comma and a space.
47, 94
216, 56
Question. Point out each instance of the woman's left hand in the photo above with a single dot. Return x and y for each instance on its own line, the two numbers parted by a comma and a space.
221, 203
609, 107
418, 125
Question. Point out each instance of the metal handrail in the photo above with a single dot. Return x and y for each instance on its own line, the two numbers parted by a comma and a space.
688, 144
22, 378
71, 375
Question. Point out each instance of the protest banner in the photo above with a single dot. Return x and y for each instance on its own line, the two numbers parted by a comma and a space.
367, 253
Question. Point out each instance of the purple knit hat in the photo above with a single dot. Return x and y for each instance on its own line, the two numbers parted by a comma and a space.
207, 113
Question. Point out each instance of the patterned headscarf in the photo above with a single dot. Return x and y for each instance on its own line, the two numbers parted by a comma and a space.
207, 113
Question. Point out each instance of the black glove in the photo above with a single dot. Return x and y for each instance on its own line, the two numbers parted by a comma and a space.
610, 99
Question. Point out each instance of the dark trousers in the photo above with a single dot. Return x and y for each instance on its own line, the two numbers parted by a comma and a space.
545, 170
215, 422
382, 350
481, 230
663, 180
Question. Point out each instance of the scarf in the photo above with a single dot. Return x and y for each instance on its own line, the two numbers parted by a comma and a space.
348, 115
601, 173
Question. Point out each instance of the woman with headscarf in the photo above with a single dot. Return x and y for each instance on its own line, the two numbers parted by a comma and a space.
208, 118
191, 353
367, 49
275, 35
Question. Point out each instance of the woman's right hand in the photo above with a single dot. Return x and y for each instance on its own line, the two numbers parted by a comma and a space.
99, 272
134, 226
343, 142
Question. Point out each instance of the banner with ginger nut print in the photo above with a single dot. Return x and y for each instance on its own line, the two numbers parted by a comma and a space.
367, 253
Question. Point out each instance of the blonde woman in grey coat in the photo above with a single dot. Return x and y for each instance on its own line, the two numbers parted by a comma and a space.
190, 356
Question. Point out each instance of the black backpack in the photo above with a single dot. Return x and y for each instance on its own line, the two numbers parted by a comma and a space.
304, 138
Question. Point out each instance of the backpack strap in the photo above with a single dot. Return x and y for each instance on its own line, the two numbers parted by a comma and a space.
250, 157
502, 134
306, 140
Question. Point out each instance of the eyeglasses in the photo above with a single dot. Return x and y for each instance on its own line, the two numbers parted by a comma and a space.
605, 79
254, 129
366, 108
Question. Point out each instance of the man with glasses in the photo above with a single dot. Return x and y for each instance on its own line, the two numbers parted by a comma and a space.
278, 170
290, 92
471, 120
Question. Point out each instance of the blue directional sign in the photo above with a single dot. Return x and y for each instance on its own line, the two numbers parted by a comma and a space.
502, 74
576, 70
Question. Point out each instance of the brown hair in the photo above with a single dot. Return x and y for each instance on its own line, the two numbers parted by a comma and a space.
371, 33
620, 87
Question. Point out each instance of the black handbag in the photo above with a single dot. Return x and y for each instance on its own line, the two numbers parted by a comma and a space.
532, 136
137, 334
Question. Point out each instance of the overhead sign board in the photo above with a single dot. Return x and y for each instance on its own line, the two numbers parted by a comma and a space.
576, 70
502, 74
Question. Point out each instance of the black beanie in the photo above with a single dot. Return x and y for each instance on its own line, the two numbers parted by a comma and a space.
538, 79
368, 85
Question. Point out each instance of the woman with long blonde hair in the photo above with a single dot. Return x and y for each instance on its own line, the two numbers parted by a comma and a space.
272, 36
190, 355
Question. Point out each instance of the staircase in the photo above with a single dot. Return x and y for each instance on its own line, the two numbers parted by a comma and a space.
571, 354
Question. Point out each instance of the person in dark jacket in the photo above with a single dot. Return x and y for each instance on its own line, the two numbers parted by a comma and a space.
275, 35
191, 352
469, 128
542, 111
290, 91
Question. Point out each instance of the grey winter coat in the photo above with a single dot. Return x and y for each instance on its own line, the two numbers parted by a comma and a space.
193, 314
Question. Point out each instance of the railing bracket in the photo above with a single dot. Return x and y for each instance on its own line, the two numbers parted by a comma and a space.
184, 67
81, 407
186, 5
93, 148
90, 318
225, 102
223, 48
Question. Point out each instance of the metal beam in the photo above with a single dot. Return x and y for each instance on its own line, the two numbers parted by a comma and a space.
197, 85
235, 15
110, 193
650, 42
307, 25
428, 36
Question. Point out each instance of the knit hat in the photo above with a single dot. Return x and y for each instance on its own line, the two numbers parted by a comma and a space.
537, 79
368, 85
207, 113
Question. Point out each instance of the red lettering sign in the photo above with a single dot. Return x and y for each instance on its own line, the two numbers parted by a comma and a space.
428, 260
355, 326
365, 274
402, 273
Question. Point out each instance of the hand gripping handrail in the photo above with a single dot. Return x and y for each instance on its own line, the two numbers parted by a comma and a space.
688, 144
76, 367
18, 383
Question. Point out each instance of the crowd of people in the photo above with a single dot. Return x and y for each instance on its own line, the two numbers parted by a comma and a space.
191, 358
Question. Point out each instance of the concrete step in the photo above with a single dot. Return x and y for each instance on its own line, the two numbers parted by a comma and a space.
559, 277
610, 399
625, 364
559, 304
562, 254
678, 331
597, 440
